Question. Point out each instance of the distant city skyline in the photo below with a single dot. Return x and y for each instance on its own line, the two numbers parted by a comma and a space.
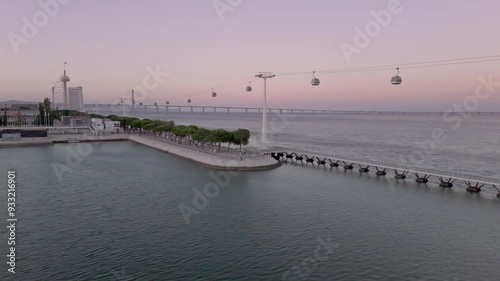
109, 47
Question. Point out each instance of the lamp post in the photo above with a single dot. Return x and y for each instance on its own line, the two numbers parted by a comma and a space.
265, 76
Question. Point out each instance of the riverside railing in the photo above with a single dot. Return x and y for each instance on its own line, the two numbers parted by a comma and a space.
221, 155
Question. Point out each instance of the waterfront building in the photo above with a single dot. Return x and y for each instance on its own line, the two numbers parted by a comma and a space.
7, 134
75, 121
112, 126
97, 126
20, 118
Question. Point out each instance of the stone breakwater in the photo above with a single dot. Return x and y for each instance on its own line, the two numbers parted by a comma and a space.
210, 160
215, 161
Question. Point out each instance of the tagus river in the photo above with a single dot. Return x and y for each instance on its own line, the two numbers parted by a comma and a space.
462, 144
115, 216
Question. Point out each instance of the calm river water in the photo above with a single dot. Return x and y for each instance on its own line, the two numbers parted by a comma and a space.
115, 216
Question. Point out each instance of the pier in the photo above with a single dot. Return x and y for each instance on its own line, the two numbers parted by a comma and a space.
472, 183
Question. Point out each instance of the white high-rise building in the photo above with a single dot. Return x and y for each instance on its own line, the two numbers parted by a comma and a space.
76, 98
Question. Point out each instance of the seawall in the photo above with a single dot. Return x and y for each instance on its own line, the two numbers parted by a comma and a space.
215, 161
209, 160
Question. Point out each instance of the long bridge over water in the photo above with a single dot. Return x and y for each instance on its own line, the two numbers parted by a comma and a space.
152, 109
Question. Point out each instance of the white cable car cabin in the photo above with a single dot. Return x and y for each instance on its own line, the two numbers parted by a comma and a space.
249, 87
315, 81
396, 80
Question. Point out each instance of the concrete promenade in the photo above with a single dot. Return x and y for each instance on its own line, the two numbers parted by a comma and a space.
216, 161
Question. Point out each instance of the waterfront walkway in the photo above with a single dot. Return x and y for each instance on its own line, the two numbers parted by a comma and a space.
220, 161
230, 160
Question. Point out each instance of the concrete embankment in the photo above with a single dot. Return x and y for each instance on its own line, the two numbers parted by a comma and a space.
26, 142
209, 160
216, 161
61, 139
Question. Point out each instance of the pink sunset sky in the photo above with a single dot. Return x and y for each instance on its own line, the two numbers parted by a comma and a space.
109, 44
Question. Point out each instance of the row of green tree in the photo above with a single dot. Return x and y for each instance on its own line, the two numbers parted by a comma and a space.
181, 133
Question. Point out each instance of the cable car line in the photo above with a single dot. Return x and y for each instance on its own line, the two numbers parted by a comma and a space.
395, 80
